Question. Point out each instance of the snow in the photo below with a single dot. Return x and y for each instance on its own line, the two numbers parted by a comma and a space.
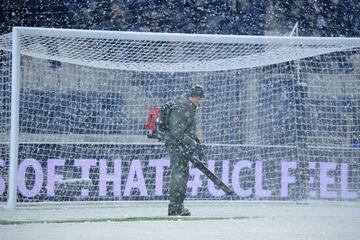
210, 220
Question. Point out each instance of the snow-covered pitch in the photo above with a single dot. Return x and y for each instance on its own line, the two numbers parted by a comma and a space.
263, 220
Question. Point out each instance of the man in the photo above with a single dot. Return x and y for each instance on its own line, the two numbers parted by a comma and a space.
182, 144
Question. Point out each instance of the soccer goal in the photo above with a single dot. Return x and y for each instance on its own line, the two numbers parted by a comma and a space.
281, 119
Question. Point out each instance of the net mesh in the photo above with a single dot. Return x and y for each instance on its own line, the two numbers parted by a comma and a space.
280, 121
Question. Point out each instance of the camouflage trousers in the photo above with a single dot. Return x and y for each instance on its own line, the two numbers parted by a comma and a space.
179, 176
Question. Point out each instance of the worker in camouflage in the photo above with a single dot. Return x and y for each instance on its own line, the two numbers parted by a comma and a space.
182, 143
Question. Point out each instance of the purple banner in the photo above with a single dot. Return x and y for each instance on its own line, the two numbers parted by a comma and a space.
327, 180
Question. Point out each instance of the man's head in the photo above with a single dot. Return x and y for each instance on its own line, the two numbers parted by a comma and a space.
196, 95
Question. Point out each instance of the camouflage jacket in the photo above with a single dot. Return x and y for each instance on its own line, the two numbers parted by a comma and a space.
182, 127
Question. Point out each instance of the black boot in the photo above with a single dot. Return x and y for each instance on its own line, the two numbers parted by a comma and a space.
173, 213
185, 212
181, 212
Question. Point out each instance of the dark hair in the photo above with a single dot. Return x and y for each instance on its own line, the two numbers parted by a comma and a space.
196, 91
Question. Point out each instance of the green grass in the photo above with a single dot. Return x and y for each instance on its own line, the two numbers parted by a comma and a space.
126, 219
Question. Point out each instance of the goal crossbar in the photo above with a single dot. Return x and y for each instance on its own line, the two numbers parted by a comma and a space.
270, 49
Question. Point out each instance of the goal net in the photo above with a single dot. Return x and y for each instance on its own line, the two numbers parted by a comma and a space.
281, 119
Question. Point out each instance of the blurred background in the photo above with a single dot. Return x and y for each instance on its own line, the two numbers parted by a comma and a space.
239, 17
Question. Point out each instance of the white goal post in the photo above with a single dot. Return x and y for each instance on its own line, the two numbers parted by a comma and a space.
281, 119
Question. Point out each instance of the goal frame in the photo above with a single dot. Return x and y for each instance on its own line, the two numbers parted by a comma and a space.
16, 69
